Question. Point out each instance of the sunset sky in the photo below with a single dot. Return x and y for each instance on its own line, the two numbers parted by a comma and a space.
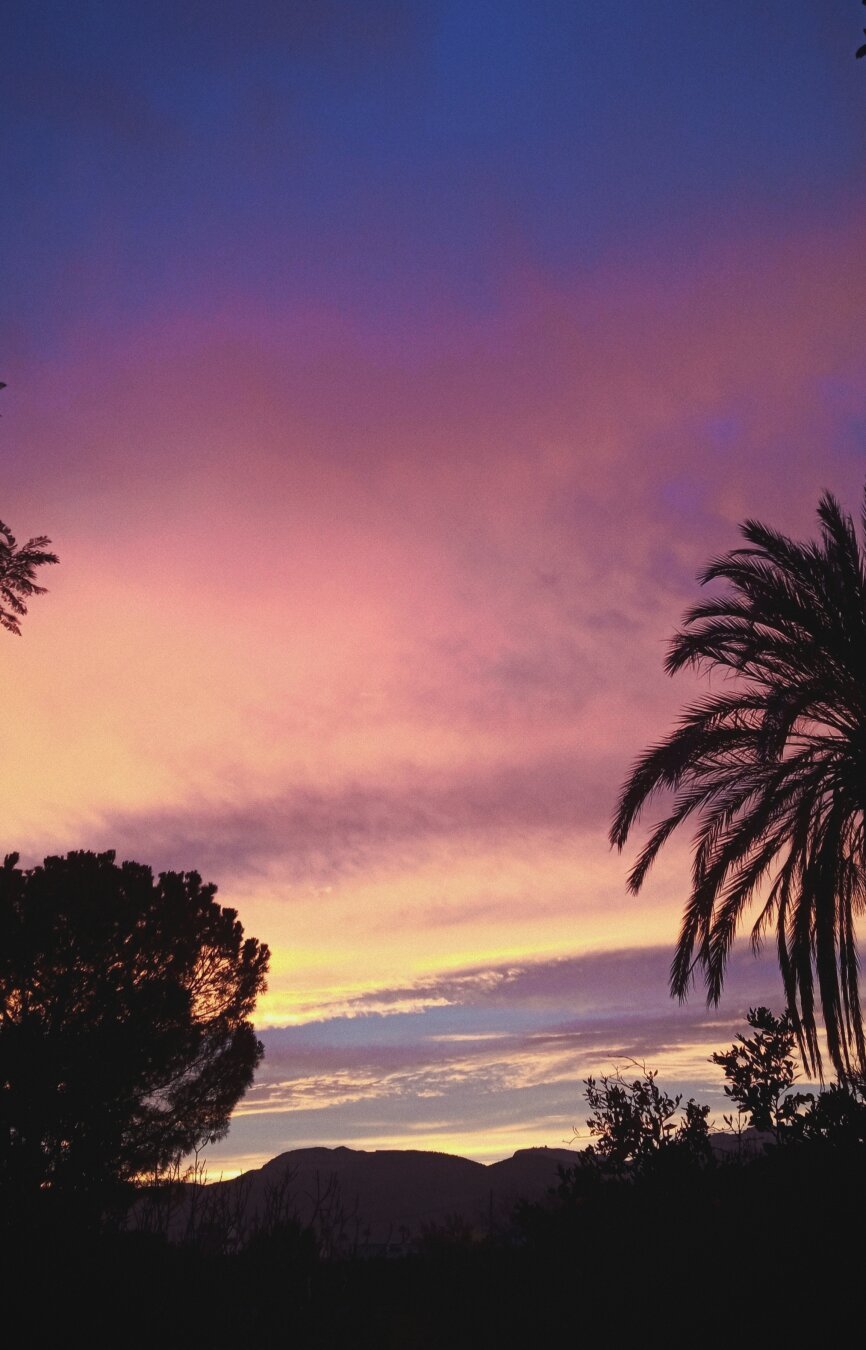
383, 373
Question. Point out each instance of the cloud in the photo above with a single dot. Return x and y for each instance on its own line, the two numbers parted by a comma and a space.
491, 1057
315, 836
635, 978
518, 1021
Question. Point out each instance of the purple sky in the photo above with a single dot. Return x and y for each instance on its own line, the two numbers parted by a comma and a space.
383, 373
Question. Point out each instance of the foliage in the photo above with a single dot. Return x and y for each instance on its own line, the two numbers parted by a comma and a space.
635, 1122
760, 1071
18, 565
773, 767
125, 1038
835, 1117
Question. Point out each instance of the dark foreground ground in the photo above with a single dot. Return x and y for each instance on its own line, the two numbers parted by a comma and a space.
765, 1254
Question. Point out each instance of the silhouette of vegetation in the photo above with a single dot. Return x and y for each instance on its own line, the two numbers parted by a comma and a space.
18, 565
760, 1070
125, 1038
861, 51
835, 1117
217, 1267
635, 1123
773, 767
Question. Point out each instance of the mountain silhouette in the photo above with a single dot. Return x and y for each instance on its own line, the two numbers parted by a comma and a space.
364, 1201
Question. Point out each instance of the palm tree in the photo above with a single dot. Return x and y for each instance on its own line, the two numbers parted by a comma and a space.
773, 769
17, 569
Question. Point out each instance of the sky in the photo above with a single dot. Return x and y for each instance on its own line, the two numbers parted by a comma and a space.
383, 372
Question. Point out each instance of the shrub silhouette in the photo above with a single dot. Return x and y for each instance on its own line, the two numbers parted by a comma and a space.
635, 1124
125, 1038
835, 1118
760, 1071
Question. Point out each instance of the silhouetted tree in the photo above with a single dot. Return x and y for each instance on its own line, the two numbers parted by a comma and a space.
18, 565
635, 1122
125, 1038
760, 1070
773, 766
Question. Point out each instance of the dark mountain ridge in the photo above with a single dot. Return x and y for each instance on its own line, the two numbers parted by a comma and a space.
368, 1202
363, 1200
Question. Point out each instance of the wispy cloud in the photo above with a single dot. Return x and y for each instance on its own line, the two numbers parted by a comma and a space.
316, 835
490, 1044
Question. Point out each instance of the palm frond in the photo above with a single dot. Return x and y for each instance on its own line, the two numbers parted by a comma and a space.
17, 570
773, 772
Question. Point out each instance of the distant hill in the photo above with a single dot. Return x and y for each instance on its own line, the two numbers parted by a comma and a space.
376, 1202
365, 1201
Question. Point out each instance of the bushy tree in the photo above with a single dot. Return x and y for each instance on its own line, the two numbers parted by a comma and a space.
18, 565
761, 1071
125, 1038
836, 1117
634, 1122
